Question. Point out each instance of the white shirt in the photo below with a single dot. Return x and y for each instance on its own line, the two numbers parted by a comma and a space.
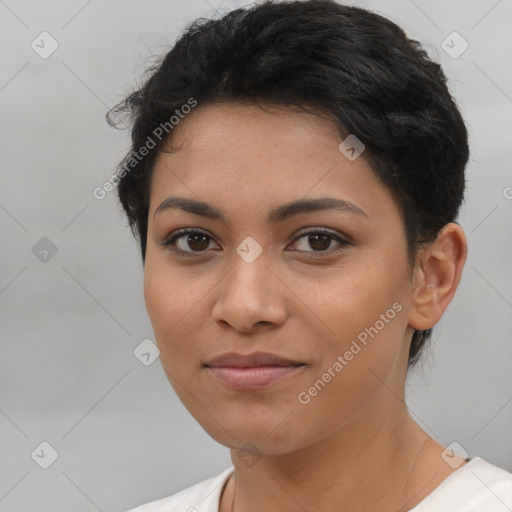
475, 487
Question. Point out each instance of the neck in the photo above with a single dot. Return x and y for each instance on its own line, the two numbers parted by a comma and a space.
381, 461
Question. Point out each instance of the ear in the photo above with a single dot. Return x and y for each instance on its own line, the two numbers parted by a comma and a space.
436, 276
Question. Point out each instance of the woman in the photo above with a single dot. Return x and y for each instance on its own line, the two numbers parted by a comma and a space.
294, 180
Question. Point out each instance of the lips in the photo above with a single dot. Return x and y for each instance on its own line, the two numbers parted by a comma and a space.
256, 359
251, 371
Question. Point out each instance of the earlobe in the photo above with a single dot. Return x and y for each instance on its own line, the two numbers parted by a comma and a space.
437, 276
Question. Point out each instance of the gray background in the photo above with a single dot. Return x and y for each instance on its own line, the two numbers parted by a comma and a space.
69, 326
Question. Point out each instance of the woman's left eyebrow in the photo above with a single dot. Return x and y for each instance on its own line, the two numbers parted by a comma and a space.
276, 215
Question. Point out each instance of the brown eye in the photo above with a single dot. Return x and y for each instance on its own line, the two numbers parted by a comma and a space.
197, 241
188, 242
320, 242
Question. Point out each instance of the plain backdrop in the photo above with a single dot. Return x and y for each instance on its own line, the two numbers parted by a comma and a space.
71, 317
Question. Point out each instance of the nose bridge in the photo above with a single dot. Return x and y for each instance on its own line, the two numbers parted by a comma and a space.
249, 278
248, 293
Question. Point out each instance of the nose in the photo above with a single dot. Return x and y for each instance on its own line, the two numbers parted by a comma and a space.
250, 295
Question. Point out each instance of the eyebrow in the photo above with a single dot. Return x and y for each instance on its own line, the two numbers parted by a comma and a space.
278, 214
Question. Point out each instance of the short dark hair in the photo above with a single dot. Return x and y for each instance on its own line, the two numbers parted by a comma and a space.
322, 57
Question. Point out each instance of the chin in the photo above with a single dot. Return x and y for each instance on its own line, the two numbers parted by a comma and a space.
271, 436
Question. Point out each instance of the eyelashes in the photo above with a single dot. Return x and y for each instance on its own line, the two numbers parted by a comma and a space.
197, 236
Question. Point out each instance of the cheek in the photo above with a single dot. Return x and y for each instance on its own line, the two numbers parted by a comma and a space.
176, 303
362, 312
169, 293
352, 298
168, 301
354, 364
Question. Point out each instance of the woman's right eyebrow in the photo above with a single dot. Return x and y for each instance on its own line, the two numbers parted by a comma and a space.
278, 214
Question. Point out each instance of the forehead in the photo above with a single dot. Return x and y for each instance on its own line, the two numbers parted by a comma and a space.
231, 154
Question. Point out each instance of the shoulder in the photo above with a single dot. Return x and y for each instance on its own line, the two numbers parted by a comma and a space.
201, 497
476, 486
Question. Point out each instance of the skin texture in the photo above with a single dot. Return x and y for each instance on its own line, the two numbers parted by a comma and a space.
354, 445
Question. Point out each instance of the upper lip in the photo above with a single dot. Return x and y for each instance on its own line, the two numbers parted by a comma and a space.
255, 359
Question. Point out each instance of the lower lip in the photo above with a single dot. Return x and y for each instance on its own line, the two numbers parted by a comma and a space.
252, 378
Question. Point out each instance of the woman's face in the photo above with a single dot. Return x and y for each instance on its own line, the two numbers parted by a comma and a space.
334, 312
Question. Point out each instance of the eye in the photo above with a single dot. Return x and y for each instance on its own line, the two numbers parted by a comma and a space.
195, 239
192, 242
320, 241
